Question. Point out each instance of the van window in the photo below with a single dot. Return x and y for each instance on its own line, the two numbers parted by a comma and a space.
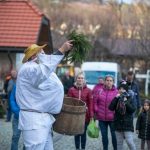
92, 76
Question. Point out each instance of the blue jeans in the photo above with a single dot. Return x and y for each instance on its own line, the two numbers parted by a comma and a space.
80, 139
9, 113
104, 131
16, 134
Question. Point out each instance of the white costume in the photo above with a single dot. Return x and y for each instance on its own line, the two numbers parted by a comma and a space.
39, 93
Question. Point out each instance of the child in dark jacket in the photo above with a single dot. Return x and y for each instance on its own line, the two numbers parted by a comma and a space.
123, 119
143, 125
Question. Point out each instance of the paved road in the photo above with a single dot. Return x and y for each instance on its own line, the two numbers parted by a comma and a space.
61, 142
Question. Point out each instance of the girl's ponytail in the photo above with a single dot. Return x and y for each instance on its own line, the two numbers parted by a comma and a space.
141, 110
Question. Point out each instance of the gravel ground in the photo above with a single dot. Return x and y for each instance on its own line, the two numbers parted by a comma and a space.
61, 142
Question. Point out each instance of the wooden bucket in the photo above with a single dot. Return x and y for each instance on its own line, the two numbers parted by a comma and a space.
71, 119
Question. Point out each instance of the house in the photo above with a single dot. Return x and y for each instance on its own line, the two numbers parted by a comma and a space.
129, 53
21, 24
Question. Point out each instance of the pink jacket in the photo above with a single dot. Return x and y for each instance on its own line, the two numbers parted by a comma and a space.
102, 99
85, 94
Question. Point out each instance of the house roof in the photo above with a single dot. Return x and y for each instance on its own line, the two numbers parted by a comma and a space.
126, 47
20, 22
55, 36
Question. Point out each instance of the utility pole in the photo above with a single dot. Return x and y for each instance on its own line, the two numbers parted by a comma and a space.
147, 80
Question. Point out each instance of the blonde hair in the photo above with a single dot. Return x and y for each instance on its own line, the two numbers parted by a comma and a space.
80, 73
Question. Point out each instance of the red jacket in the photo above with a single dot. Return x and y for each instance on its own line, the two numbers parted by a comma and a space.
84, 94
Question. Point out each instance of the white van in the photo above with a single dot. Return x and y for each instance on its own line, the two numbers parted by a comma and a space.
94, 70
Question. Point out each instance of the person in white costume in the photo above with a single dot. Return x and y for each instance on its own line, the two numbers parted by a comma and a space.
39, 94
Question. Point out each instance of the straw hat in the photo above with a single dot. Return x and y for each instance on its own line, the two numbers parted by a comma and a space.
32, 50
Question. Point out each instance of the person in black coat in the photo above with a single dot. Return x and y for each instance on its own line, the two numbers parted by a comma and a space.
67, 81
143, 125
123, 120
133, 89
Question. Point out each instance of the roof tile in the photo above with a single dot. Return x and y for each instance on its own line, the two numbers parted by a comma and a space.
20, 22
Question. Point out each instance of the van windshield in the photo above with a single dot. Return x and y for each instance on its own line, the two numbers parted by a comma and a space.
93, 76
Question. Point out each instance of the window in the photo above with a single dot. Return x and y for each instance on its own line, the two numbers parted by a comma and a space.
93, 76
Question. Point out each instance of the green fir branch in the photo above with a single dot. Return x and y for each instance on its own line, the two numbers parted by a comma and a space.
80, 49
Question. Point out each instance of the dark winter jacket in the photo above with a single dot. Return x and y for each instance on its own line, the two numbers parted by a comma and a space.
101, 102
134, 89
68, 82
84, 94
123, 122
143, 125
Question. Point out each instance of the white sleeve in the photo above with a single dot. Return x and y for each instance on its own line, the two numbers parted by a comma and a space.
40, 72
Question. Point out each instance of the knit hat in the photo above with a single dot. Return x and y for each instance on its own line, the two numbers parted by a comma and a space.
123, 84
147, 101
32, 50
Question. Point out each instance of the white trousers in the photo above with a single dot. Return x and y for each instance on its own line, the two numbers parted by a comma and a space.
38, 139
